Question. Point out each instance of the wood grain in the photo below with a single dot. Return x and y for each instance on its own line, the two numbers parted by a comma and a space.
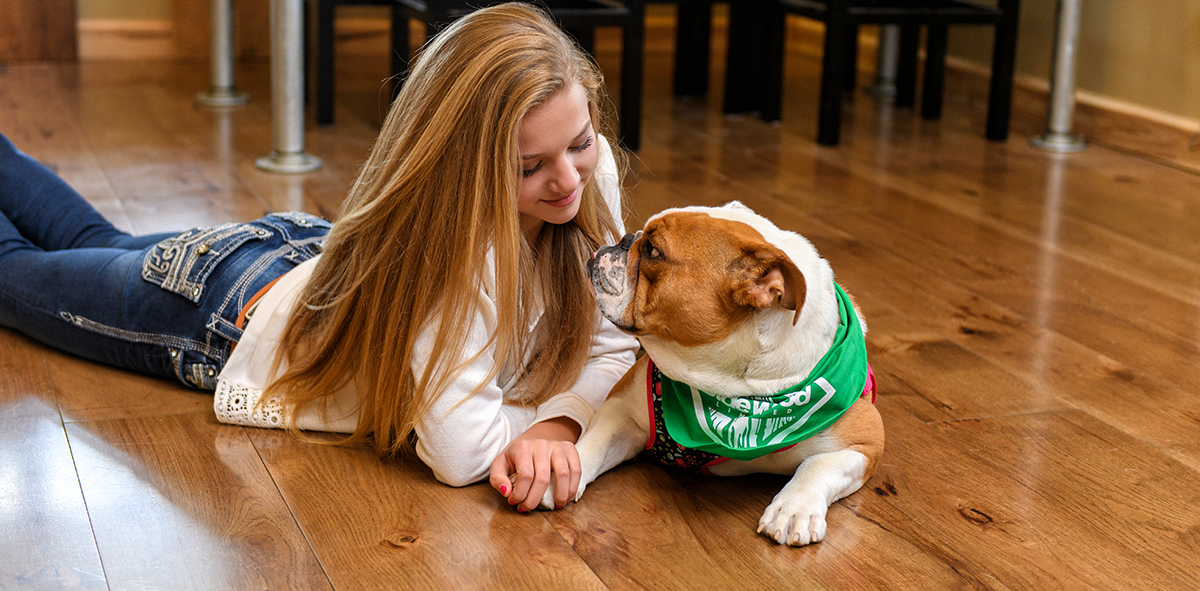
389, 524
38, 31
45, 535
180, 502
1032, 324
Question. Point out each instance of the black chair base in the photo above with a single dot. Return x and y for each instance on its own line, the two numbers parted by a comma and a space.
758, 31
577, 17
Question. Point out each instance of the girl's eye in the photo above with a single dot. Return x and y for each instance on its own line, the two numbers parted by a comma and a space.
532, 171
587, 143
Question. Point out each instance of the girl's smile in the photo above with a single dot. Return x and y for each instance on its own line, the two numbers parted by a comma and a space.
558, 155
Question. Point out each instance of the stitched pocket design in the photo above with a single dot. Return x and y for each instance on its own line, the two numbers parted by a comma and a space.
182, 263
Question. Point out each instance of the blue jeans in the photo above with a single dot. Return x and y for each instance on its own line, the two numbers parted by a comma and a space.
163, 305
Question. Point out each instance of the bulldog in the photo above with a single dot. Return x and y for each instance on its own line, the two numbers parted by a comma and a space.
755, 362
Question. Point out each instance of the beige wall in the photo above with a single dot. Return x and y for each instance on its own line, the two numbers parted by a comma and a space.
1145, 52
138, 10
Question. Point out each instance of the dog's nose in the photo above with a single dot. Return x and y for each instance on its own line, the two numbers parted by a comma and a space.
628, 240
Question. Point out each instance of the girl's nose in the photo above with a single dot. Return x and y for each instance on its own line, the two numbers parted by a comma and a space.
566, 177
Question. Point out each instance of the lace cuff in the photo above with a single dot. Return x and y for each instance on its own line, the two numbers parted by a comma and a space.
238, 405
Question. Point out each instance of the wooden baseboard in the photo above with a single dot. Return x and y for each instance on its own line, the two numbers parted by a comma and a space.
1084, 97
104, 39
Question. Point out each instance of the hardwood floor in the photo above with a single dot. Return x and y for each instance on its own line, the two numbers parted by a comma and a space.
1033, 320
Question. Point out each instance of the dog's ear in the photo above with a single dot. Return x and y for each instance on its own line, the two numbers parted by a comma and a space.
765, 276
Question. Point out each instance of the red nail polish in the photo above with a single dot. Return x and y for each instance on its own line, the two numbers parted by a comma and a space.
504, 490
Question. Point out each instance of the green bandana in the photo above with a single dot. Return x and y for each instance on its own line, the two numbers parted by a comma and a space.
749, 427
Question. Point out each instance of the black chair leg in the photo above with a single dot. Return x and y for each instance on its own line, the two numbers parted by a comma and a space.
850, 79
324, 78
935, 72
585, 37
693, 31
632, 58
400, 49
1004, 52
833, 60
745, 76
771, 103
906, 67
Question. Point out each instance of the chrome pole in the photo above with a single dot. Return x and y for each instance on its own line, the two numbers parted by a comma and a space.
887, 63
287, 91
1058, 136
221, 92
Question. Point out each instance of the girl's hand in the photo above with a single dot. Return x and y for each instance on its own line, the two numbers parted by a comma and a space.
546, 451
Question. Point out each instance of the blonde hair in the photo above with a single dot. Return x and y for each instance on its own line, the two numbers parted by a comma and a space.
408, 253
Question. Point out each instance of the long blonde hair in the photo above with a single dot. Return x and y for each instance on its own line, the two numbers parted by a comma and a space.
409, 251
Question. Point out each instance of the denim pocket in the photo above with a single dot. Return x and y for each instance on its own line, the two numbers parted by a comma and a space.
304, 232
182, 263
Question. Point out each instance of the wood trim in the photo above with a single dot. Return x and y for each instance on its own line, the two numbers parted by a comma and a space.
107, 39
1083, 97
43, 30
190, 29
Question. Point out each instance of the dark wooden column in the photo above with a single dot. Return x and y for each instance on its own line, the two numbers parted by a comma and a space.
42, 30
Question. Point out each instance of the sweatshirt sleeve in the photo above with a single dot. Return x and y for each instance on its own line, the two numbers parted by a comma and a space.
462, 433
611, 354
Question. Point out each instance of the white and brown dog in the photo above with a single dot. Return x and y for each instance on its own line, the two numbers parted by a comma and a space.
755, 362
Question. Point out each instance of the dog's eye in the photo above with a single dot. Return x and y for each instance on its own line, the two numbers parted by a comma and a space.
650, 251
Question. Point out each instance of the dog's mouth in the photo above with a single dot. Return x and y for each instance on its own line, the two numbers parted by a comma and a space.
607, 271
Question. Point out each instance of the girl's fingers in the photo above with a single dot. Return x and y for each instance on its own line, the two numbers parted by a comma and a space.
562, 478
542, 470
499, 475
576, 468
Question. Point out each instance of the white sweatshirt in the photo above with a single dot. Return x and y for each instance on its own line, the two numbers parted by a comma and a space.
461, 434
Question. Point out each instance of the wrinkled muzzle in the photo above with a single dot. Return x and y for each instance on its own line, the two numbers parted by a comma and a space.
609, 274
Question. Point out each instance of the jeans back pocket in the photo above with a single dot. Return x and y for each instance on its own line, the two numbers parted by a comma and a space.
182, 263
304, 232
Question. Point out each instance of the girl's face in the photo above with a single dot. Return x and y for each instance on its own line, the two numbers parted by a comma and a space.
558, 155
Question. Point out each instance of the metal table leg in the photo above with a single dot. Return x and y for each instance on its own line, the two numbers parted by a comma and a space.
222, 93
887, 63
1058, 136
287, 91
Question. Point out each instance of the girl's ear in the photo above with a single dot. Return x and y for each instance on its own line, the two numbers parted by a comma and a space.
767, 276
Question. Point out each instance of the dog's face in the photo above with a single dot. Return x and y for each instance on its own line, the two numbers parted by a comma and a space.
692, 278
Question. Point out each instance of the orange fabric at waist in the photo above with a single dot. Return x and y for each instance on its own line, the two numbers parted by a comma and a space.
241, 319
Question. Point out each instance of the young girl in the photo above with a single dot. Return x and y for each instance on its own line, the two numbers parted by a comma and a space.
447, 305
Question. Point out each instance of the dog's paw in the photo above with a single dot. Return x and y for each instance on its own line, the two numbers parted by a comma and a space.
794, 521
548, 498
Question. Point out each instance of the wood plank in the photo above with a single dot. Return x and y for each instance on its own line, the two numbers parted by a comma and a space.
390, 524
45, 536
180, 502
1016, 502
89, 391
644, 526
162, 170
35, 96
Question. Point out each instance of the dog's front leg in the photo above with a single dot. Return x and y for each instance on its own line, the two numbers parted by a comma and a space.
796, 515
617, 432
